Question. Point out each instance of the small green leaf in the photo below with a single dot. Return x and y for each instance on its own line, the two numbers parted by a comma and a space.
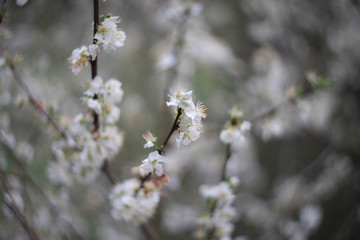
3, 10
102, 18
210, 201
319, 82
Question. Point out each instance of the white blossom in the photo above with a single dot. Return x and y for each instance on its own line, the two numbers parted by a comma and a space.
180, 99
58, 172
153, 164
196, 113
111, 140
222, 192
167, 61
245, 127
113, 92
310, 216
191, 116
229, 135
25, 150
150, 140
191, 135
93, 51
94, 105
108, 35
21, 2
79, 59
113, 114
95, 87
220, 219
130, 203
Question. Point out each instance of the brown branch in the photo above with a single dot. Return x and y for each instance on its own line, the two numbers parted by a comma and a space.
223, 171
107, 171
174, 127
96, 117
27, 91
43, 195
11, 204
19, 79
149, 231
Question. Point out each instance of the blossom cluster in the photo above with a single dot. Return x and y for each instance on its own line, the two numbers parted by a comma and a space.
236, 129
129, 202
190, 118
136, 199
107, 37
84, 152
218, 220
310, 217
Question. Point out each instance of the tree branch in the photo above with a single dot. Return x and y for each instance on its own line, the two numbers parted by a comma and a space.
11, 204
19, 79
96, 118
43, 195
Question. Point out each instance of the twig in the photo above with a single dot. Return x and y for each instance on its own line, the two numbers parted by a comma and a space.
43, 195
309, 167
267, 112
178, 48
223, 171
149, 231
107, 171
96, 119
11, 204
27, 91
174, 127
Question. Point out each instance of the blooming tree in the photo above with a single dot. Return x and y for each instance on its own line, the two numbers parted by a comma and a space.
77, 160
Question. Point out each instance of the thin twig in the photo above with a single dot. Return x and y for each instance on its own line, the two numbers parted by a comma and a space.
267, 112
29, 94
325, 152
43, 195
177, 48
107, 171
11, 204
174, 127
223, 171
149, 231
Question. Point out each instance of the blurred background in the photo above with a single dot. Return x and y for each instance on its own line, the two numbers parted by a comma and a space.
299, 164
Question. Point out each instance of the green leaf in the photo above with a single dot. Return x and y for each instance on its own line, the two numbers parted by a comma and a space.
318, 82
3, 10
210, 201
102, 18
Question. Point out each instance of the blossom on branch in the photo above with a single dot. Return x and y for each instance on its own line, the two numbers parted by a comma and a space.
132, 204
153, 164
191, 117
108, 35
79, 59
